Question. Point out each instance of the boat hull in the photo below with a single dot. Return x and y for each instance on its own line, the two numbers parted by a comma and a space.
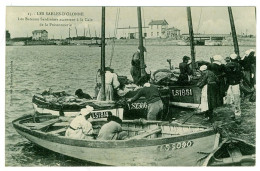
179, 150
185, 96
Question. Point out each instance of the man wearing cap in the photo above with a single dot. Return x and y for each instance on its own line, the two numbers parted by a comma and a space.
208, 84
185, 71
219, 70
234, 76
81, 127
111, 83
136, 68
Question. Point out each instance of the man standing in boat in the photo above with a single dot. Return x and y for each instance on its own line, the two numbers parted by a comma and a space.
136, 68
219, 70
152, 96
208, 84
234, 77
185, 71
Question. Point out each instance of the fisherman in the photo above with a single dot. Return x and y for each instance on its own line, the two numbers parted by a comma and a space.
82, 95
219, 70
111, 84
185, 71
81, 127
208, 84
152, 96
247, 63
112, 130
234, 77
136, 68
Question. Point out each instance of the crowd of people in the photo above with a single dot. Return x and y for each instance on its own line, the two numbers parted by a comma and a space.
222, 80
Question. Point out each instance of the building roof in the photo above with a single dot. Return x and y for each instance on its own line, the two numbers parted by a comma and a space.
158, 22
173, 28
39, 31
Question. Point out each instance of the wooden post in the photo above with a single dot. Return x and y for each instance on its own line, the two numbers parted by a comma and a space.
143, 73
233, 30
191, 40
102, 70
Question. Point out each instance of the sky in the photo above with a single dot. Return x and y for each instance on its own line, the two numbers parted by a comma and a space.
208, 20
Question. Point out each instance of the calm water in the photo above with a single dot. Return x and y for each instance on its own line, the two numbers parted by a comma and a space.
31, 69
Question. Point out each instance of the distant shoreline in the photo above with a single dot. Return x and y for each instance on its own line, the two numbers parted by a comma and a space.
149, 42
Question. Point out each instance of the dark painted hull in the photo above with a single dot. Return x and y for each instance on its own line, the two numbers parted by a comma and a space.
185, 96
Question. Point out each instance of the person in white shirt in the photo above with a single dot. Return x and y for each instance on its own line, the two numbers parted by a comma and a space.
81, 127
112, 84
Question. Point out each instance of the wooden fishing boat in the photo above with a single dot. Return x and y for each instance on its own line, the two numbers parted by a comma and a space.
63, 104
232, 152
149, 143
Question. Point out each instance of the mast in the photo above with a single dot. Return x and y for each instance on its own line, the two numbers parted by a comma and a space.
69, 35
89, 34
76, 31
143, 73
233, 30
102, 69
191, 40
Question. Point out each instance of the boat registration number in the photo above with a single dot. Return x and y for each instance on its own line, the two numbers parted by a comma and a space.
174, 146
104, 114
138, 105
182, 92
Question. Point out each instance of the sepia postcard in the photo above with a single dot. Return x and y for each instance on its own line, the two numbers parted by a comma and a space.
130, 85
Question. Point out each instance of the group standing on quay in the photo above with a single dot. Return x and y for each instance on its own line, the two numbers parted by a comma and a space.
220, 83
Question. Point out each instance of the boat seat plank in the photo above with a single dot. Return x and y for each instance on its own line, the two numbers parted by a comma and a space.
146, 134
42, 125
58, 131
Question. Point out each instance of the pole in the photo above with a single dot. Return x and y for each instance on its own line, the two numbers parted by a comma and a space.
233, 30
143, 73
69, 35
103, 96
191, 40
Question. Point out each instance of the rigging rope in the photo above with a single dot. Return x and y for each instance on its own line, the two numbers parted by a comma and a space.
115, 34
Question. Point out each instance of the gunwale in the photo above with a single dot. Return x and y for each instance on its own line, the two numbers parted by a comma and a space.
131, 143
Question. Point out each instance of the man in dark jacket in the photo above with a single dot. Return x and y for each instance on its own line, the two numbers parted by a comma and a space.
136, 68
152, 96
247, 63
219, 70
185, 71
234, 76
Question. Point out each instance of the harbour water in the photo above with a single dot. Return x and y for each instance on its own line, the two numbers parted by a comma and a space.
32, 69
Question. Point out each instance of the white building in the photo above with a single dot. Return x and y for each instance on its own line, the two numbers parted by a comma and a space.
40, 35
130, 32
173, 33
157, 29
